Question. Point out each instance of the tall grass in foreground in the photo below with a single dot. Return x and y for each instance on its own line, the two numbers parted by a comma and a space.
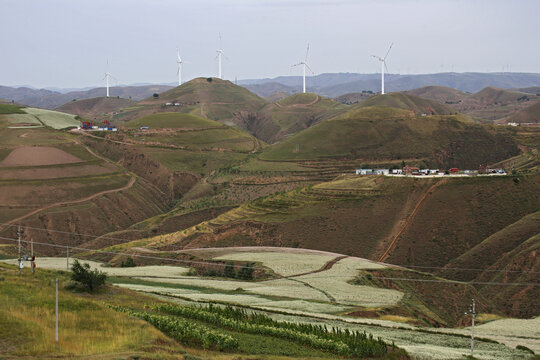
27, 321
335, 340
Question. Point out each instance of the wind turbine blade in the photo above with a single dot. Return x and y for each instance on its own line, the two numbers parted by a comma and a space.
296, 64
377, 57
309, 69
178, 54
307, 51
390, 48
387, 72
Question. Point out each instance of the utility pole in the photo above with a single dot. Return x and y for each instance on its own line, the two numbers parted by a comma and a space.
56, 330
19, 241
67, 258
32, 254
472, 312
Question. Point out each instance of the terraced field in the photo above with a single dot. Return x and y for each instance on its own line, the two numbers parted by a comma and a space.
283, 300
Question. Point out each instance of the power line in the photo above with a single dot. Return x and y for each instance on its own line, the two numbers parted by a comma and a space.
468, 269
259, 268
403, 266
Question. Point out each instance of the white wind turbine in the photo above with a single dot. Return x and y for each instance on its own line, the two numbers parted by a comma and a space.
179, 62
383, 66
219, 54
107, 77
304, 63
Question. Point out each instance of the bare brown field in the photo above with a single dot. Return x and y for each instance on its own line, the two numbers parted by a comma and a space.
38, 156
56, 173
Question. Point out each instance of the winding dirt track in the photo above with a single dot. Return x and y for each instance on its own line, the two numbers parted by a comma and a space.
408, 221
325, 267
71, 202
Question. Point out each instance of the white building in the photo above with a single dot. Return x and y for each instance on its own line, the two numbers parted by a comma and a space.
382, 171
397, 171
364, 171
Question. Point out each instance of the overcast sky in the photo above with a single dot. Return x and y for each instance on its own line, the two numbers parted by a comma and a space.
66, 43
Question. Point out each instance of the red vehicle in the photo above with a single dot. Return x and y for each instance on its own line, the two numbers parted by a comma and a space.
453, 170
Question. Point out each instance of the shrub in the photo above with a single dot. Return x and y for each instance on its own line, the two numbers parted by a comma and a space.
229, 271
246, 272
128, 263
82, 274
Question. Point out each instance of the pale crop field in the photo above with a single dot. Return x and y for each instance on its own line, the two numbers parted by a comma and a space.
307, 307
511, 332
54, 119
23, 118
279, 287
335, 282
326, 286
282, 263
55, 263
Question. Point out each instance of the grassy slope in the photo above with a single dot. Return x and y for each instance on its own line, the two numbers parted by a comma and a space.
88, 328
172, 120
89, 107
441, 94
292, 114
408, 102
10, 109
530, 114
385, 133
218, 99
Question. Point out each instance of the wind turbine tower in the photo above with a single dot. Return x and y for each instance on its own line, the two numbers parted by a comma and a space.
219, 53
304, 65
107, 76
179, 62
383, 66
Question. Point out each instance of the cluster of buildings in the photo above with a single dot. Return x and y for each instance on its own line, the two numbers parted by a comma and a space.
414, 171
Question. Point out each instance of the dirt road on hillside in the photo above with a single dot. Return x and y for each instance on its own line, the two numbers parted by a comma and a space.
409, 220
71, 202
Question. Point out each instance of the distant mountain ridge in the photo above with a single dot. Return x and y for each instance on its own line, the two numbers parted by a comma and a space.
49, 99
333, 85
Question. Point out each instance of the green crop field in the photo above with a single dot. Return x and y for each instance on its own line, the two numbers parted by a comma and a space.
54, 119
11, 109
172, 120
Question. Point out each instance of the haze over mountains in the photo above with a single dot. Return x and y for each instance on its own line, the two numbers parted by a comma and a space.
329, 85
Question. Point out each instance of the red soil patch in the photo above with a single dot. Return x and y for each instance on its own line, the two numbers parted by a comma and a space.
38, 155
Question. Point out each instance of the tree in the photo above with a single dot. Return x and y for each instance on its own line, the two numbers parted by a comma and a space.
246, 272
229, 271
128, 263
82, 274
155, 95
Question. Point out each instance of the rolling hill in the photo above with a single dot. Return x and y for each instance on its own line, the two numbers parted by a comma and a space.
416, 104
286, 117
212, 98
94, 108
385, 134
489, 104
441, 94
353, 98
49, 99
530, 114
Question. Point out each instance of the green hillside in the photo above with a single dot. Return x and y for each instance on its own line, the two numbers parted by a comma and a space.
95, 107
408, 102
530, 114
172, 120
286, 117
212, 98
385, 133
441, 94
